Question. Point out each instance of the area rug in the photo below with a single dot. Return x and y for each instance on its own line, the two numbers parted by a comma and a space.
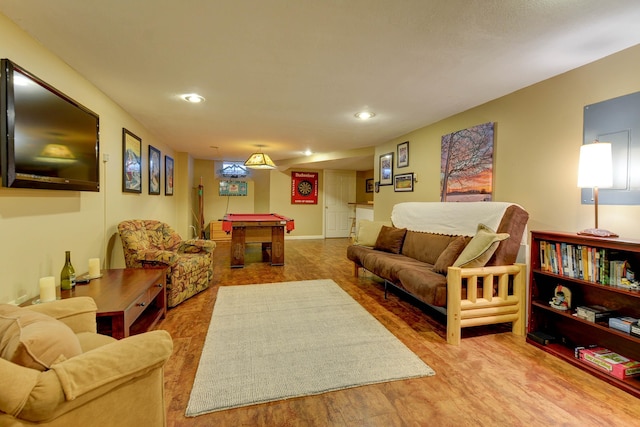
281, 340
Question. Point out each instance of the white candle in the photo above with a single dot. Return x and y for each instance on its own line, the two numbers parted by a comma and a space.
47, 289
94, 267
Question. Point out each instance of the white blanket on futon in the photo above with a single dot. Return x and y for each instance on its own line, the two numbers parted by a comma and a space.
454, 218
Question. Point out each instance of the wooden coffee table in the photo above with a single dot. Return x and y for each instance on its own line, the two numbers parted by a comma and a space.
129, 300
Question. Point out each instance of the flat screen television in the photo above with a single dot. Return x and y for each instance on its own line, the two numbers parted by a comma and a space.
49, 141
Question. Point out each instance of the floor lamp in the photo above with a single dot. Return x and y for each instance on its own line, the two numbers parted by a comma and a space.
595, 170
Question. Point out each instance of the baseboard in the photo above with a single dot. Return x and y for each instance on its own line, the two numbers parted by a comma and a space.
303, 237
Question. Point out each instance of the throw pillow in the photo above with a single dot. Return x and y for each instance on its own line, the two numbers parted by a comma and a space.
480, 248
450, 255
33, 339
390, 239
368, 232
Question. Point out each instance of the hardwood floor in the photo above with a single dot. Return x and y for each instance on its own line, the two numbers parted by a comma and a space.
491, 379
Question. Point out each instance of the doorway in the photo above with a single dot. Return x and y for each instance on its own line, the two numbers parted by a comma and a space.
340, 190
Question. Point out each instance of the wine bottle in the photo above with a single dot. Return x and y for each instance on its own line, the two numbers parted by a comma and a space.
68, 273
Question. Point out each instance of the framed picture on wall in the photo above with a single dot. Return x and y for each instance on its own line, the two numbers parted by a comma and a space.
368, 187
168, 176
154, 170
403, 154
386, 169
403, 182
131, 162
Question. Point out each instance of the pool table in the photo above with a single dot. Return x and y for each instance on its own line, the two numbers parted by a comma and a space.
267, 229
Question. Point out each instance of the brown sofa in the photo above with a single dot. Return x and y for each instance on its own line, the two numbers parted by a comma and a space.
449, 270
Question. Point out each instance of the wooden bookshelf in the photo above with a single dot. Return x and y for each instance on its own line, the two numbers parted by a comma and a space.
586, 289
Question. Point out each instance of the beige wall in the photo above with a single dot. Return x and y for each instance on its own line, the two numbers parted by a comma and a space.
308, 218
361, 181
268, 192
538, 136
37, 226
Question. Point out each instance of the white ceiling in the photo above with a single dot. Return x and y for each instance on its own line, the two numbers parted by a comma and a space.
290, 74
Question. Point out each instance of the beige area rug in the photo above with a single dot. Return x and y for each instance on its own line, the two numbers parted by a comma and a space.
282, 340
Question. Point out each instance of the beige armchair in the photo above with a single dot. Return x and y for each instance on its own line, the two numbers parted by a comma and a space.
190, 262
109, 383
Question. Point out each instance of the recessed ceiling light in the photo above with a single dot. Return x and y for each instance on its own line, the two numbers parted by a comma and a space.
364, 115
308, 152
193, 98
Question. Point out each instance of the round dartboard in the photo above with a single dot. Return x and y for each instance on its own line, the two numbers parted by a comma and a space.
305, 188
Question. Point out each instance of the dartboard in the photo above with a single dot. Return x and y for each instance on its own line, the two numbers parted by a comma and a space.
305, 188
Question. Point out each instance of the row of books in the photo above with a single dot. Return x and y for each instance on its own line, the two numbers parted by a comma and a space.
583, 262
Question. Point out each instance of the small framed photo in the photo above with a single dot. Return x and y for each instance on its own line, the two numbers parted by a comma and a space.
368, 188
154, 170
403, 154
403, 182
131, 162
386, 169
168, 176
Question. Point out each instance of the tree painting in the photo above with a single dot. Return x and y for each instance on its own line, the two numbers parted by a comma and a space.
467, 165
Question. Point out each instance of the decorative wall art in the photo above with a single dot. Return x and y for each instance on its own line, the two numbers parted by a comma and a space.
368, 187
304, 188
233, 188
467, 165
168, 176
131, 162
403, 182
154, 170
403, 154
386, 169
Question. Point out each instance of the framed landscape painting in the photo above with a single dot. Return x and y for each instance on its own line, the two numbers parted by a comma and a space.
403, 182
466, 165
131, 162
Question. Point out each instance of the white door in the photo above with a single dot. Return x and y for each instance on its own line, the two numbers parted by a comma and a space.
340, 190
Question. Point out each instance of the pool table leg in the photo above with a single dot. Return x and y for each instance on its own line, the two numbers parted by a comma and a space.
277, 245
237, 247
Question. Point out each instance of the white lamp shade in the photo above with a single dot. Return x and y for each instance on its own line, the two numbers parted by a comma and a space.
595, 168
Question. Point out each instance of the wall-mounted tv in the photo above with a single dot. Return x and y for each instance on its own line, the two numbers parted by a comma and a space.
48, 140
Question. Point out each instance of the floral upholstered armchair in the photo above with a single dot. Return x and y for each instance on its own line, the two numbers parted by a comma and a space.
152, 243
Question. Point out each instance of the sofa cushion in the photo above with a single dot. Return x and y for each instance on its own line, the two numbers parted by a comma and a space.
481, 247
450, 254
368, 231
35, 340
424, 283
514, 223
390, 239
425, 247
388, 265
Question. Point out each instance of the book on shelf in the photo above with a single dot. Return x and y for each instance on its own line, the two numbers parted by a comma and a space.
622, 323
594, 313
635, 330
612, 363
584, 262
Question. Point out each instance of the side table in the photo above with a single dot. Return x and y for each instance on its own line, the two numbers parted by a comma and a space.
129, 300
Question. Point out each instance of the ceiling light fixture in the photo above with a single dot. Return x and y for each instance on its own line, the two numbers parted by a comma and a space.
194, 98
259, 160
365, 115
308, 152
